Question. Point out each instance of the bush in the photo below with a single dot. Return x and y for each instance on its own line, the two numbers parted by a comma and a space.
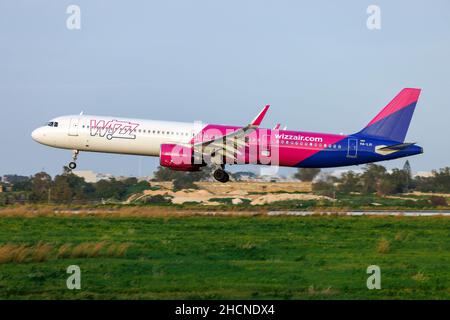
437, 201
157, 199
185, 182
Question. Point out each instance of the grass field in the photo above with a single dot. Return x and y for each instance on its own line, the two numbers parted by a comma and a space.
197, 257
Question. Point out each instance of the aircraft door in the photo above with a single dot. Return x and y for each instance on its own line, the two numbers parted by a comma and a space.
352, 151
73, 126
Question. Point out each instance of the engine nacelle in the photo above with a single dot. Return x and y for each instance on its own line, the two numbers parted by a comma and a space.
177, 157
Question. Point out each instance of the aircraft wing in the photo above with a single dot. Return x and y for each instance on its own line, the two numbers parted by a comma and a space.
228, 145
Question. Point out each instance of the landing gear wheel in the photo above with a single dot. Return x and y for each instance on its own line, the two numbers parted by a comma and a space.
73, 164
221, 176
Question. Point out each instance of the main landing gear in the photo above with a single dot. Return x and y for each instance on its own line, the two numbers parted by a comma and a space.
221, 175
73, 164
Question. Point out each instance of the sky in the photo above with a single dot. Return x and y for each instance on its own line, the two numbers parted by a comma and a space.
316, 62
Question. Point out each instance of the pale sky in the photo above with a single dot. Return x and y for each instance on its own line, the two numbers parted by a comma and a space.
315, 62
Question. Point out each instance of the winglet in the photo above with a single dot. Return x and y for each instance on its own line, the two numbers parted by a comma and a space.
259, 118
277, 127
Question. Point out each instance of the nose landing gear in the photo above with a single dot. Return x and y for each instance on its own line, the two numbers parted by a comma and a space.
73, 164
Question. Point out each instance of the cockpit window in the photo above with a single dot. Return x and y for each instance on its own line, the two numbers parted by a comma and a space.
52, 124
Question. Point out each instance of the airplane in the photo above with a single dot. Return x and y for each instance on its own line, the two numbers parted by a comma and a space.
191, 146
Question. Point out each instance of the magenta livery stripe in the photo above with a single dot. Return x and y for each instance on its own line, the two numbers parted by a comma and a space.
292, 155
291, 151
405, 98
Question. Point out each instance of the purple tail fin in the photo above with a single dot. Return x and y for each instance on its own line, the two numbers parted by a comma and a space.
392, 122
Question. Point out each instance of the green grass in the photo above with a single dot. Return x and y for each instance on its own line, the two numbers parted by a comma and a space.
233, 257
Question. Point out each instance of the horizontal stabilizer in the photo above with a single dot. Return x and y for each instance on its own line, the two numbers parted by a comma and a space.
397, 147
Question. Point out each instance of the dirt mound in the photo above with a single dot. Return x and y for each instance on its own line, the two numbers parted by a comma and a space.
269, 198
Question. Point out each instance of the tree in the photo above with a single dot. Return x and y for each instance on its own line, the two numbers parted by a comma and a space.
110, 189
325, 186
408, 174
18, 183
306, 174
62, 192
393, 183
22, 185
68, 187
372, 176
442, 179
185, 182
41, 184
137, 187
350, 182
166, 174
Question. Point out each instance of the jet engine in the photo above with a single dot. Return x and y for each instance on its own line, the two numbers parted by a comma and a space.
178, 157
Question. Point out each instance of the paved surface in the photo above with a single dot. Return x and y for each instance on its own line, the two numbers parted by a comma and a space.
363, 213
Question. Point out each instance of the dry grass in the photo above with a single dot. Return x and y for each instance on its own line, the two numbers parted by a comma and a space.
403, 236
41, 252
117, 250
384, 246
88, 250
7, 252
420, 277
400, 236
28, 211
23, 253
64, 251
247, 246
326, 291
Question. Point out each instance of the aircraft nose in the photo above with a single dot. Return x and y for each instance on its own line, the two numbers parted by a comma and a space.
38, 135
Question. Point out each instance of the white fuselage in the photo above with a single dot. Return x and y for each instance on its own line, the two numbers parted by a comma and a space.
113, 134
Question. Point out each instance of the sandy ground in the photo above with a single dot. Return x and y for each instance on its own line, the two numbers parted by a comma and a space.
237, 196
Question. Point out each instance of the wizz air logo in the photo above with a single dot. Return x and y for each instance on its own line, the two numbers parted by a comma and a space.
298, 137
113, 129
